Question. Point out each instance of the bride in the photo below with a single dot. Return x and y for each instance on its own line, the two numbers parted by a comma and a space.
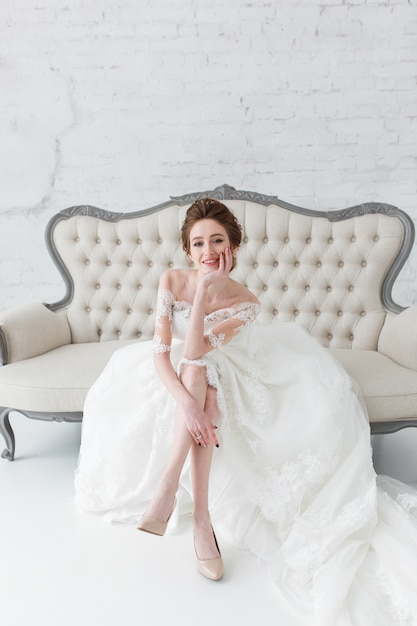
256, 428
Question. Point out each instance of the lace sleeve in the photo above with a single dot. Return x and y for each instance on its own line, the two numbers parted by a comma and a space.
247, 313
225, 331
163, 323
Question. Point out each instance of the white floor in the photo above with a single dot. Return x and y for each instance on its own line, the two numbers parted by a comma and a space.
59, 567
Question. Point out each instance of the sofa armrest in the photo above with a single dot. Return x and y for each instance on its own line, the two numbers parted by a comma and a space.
398, 337
31, 330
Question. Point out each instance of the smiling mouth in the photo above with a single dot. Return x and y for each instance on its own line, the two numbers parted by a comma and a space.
210, 262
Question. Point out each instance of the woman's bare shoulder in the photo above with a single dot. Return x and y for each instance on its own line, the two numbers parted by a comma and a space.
243, 294
177, 281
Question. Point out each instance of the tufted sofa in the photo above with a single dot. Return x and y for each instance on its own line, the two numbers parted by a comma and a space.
331, 272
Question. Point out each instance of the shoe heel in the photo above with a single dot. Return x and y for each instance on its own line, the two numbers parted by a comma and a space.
155, 526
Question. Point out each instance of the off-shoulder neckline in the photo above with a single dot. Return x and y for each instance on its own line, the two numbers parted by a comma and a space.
216, 311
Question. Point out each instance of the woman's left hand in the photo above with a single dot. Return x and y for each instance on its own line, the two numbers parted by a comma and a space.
225, 265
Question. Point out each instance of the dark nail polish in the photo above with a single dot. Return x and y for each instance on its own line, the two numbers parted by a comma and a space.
217, 445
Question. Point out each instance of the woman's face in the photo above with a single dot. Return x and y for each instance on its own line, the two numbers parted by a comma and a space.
208, 239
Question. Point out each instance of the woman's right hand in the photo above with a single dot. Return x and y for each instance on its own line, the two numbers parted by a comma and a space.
199, 425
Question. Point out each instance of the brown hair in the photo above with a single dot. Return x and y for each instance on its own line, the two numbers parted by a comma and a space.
210, 209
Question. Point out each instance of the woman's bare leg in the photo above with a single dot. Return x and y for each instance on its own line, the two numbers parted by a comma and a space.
204, 542
194, 380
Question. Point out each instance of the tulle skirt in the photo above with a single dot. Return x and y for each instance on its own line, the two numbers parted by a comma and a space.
292, 480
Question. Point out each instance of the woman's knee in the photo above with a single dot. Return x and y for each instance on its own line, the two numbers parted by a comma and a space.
192, 375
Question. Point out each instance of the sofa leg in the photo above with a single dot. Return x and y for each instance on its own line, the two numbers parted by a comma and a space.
8, 435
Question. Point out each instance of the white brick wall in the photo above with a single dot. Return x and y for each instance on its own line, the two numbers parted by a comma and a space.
122, 103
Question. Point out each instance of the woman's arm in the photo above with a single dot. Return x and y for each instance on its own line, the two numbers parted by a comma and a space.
196, 342
195, 418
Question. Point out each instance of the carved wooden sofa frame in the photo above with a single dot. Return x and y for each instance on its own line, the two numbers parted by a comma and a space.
332, 272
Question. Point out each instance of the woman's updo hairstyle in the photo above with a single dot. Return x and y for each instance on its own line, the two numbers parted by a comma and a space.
210, 209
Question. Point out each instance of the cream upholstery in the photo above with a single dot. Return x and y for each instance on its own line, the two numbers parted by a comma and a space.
332, 273
326, 276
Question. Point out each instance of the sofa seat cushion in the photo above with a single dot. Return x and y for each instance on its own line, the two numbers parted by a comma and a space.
389, 389
58, 381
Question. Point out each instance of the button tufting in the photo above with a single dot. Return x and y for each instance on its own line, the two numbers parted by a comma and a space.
159, 240
286, 240
87, 261
319, 263
296, 312
285, 288
275, 264
341, 264
351, 287
351, 337
129, 311
138, 287
297, 264
99, 332
98, 240
255, 264
308, 240
118, 242
328, 288
275, 312
307, 288
108, 263
353, 239
150, 264
98, 286
77, 239
150, 311
376, 238
118, 286
265, 288
265, 239
329, 336
170, 264
340, 313
108, 309
129, 263
363, 313
88, 309
245, 240
138, 334
363, 263
318, 313
139, 241
119, 332
330, 240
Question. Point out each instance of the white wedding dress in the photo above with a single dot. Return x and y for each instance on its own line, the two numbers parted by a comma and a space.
292, 481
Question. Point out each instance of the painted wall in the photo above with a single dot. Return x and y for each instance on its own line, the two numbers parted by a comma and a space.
122, 103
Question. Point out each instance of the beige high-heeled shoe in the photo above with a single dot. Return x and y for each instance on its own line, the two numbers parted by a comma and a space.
154, 526
211, 568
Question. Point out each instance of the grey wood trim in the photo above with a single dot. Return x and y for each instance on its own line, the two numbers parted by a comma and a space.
384, 428
226, 192
8, 435
6, 429
4, 354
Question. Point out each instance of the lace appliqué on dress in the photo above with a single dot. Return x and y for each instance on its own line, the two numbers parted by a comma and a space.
407, 501
158, 346
164, 308
398, 604
165, 302
216, 341
247, 313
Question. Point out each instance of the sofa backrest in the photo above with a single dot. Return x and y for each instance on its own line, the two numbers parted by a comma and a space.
330, 272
